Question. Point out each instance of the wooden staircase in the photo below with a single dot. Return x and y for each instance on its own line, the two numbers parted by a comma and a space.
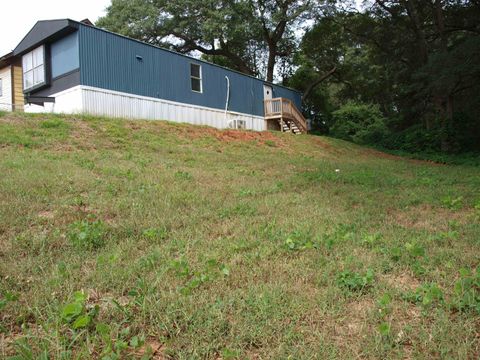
282, 113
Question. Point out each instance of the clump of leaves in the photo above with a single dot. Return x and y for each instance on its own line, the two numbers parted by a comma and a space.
446, 237
371, 240
298, 240
155, 233
117, 342
87, 235
356, 282
467, 291
76, 314
384, 305
384, 329
7, 297
427, 295
194, 279
453, 203
183, 175
414, 249
52, 124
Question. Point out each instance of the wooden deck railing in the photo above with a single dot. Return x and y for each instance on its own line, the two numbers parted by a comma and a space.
284, 108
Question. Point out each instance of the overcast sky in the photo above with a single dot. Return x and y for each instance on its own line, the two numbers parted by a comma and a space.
21, 15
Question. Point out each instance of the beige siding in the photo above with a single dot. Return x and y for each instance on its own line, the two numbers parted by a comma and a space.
17, 87
6, 96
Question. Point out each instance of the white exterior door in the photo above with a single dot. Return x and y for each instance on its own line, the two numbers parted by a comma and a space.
267, 92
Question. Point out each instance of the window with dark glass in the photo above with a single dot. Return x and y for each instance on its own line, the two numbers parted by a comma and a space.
196, 77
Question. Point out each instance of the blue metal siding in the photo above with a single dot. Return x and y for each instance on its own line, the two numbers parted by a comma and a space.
64, 54
111, 62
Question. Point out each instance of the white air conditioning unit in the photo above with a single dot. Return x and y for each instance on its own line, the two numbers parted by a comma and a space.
237, 124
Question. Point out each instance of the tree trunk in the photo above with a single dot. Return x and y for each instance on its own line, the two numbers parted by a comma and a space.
443, 95
411, 7
272, 55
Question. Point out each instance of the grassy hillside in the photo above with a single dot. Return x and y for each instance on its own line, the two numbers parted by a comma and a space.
126, 239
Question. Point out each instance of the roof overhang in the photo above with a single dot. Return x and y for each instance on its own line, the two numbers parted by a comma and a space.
43, 32
7, 59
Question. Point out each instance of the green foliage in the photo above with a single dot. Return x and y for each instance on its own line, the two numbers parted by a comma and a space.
76, 314
356, 282
6, 298
53, 124
453, 203
428, 295
87, 234
466, 295
195, 279
162, 236
360, 123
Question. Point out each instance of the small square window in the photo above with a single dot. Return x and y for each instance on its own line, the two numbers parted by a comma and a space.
196, 77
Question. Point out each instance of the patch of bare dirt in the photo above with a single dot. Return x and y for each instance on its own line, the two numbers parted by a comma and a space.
427, 217
46, 214
403, 281
260, 138
12, 119
152, 348
353, 323
246, 136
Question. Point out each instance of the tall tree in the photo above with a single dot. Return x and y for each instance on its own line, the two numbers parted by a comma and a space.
237, 33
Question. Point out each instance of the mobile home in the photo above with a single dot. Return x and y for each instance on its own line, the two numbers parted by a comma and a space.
74, 67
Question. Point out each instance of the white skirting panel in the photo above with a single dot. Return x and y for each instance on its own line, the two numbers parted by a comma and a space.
116, 104
67, 102
96, 101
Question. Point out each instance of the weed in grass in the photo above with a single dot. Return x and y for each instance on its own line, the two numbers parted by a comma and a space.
428, 295
395, 253
262, 296
183, 175
53, 124
453, 203
194, 279
7, 297
76, 314
241, 209
372, 240
384, 305
87, 234
356, 282
299, 240
466, 295
414, 249
157, 233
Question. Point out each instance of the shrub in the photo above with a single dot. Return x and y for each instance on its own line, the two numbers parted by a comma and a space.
360, 123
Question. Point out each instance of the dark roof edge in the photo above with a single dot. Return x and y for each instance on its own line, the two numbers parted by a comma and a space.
7, 59
189, 57
71, 23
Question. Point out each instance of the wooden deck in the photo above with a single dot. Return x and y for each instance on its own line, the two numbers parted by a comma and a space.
286, 113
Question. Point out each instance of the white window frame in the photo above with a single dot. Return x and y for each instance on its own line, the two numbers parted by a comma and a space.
196, 78
1, 87
33, 64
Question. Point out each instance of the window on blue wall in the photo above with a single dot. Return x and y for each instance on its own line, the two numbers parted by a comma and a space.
196, 77
33, 68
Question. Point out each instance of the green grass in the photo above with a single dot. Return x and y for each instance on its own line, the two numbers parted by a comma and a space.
123, 239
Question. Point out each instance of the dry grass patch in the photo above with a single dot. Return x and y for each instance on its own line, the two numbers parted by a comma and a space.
428, 217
